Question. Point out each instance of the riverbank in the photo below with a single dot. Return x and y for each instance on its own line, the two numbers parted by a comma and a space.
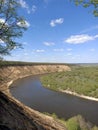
9, 73
14, 114
45, 100
78, 95
80, 81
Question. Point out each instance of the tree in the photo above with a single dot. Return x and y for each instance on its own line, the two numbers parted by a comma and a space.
11, 26
88, 3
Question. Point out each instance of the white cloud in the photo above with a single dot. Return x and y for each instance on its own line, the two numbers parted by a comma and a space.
49, 43
58, 50
39, 50
96, 36
69, 49
69, 54
23, 24
26, 54
24, 5
78, 39
53, 23
34, 8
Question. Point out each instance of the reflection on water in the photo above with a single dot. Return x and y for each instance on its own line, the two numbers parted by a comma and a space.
30, 92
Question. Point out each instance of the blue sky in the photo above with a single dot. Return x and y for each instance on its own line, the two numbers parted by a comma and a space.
58, 31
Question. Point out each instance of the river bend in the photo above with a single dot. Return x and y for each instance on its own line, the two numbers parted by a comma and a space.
30, 91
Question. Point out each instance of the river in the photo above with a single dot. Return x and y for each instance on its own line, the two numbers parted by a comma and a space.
30, 91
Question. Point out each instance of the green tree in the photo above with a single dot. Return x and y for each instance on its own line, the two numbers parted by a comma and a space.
11, 26
88, 3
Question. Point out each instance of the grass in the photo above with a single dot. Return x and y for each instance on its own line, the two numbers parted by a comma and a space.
82, 80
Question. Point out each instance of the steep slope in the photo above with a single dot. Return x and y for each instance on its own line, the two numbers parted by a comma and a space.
13, 114
11, 73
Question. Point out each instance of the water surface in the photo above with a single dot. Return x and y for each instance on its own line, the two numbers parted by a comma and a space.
30, 91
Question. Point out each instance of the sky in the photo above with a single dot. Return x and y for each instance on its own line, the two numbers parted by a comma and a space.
58, 31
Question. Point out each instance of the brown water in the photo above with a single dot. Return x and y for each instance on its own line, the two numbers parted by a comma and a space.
30, 91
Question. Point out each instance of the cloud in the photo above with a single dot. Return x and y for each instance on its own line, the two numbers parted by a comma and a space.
49, 43
26, 54
78, 39
39, 50
24, 5
34, 8
96, 36
23, 24
53, 23
69, 49
69, 54
58, 50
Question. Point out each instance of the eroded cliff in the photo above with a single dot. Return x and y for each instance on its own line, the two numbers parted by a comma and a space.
13, 114
11, 73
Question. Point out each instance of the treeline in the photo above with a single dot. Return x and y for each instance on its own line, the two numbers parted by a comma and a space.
19, 63
82, 80
14, 63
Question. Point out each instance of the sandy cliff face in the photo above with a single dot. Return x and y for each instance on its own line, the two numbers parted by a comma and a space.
12, 73
13, 114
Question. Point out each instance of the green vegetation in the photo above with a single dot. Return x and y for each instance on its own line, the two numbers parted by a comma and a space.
15, 63
82, 80
20, 63
88, 3
74, 123
12, 26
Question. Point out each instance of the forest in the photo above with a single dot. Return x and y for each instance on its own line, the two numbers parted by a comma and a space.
81, 79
